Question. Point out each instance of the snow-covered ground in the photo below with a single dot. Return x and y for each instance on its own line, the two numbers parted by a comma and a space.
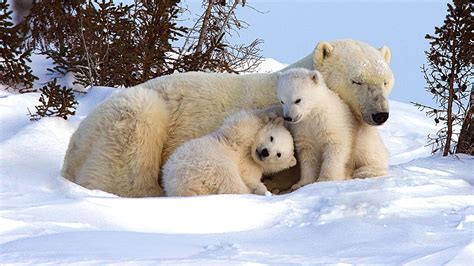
422, 213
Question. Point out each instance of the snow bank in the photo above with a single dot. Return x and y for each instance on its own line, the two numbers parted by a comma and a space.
269, 65
422, 213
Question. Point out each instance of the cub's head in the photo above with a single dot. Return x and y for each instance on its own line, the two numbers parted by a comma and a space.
273, 147
360, 74
298, 90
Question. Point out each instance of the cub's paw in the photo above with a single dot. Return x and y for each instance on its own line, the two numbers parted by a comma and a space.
299, 185
276, 191
261, 190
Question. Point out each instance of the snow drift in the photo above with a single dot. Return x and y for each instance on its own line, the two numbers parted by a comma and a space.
421, 213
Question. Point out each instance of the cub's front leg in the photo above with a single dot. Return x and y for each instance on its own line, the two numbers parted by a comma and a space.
252, 179
259, 189
334, 161
309, 167
255, 185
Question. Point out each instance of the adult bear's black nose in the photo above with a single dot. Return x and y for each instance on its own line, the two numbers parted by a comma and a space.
265, 153
287, 118
380, 118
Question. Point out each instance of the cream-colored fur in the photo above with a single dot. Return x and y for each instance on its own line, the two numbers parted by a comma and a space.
122, 144
321, 123
232, 159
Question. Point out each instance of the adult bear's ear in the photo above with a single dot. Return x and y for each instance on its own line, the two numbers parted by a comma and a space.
322, 51
386, 53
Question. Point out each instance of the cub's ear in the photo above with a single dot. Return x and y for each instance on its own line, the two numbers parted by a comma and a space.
273, 111
322, 51
266, 118
279, 121
292, 161
266, 115
315, 76
386, 53
272, 115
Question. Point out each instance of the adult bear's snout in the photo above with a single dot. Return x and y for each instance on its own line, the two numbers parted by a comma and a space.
265, 153
287, 118
380, 118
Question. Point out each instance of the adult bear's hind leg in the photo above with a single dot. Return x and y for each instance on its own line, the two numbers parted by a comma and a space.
72, 160
147, 132
125, 156
82, 142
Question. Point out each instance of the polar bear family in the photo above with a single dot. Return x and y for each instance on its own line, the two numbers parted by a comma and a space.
121, 146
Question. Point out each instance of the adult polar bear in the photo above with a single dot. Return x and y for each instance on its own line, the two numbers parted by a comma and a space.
121, 145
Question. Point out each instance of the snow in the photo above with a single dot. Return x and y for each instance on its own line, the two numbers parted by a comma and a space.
269, 65
421, 213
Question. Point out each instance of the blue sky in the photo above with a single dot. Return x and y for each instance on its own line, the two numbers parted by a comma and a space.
291, 29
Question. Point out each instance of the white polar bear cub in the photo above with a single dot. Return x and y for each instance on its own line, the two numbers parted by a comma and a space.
232, 159
321, 123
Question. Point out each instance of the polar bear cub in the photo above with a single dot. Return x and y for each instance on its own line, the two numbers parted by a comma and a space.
322, 126
232, 159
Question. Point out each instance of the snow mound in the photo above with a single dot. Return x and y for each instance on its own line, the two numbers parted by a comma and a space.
422, 213
269, 65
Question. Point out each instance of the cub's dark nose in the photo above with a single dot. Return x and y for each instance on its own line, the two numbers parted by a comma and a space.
265, 153
287, 118
380, 118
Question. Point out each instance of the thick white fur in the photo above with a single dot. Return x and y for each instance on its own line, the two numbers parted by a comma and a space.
228, 160
321, 123
361, 76
121, 145
115, 148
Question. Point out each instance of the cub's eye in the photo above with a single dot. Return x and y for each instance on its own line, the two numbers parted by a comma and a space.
282, 102
271, 138
385, 83
279, 155
356, 82
298, 101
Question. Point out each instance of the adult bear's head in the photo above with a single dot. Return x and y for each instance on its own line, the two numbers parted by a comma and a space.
360, 74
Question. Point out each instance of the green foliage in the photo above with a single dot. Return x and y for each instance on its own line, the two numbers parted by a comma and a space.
55, 101
110, 44
449, 74
104, 43
14, 70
